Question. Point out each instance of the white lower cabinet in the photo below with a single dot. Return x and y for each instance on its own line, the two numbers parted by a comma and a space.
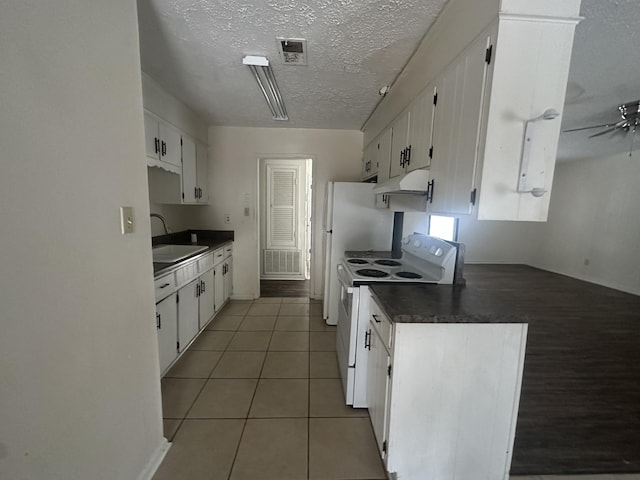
378, 385
188, 298
227, 273
207, 294
167, 328
188, 310
443, 397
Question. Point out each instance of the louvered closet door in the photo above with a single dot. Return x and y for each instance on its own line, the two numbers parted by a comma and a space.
283, 252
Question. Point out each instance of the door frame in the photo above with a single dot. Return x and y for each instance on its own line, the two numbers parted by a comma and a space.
258, 217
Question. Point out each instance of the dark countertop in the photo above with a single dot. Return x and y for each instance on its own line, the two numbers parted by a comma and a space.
207, 238
580, 402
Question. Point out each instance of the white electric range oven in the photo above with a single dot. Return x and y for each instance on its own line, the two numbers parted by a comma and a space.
424, 260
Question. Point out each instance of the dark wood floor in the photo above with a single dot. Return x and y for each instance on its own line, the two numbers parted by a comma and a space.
284, 288
580, 403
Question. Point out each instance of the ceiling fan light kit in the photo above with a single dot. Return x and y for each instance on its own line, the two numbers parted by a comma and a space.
527, 166
263, 74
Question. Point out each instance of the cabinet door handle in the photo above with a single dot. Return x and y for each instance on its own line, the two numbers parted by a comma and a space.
158, 321
199, 192
408, 159
197, 290
367, 339
203, 286
165, 285
375, 317
157, 144
402, 158
164, 148
430, 189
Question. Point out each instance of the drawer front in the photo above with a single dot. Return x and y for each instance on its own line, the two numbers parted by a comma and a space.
228, 251
382, 324
205, 263
218, 255
187, 273
164, 286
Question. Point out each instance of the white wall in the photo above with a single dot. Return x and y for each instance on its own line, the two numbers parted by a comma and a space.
233, 172
490, 241
593, 216
157, 100
79, 369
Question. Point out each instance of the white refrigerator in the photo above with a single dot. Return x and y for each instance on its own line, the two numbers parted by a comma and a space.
352, 222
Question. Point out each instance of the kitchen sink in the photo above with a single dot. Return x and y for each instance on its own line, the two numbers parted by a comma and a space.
175, 253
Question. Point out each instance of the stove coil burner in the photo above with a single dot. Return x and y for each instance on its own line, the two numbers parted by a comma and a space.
388, 263
357, 261
408, 275
372, 272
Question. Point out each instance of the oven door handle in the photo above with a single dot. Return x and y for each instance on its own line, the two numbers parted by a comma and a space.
344, 278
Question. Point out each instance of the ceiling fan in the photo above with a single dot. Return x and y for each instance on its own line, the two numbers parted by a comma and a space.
630, 113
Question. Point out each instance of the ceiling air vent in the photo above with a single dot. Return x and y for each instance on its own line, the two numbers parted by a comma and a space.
293, 51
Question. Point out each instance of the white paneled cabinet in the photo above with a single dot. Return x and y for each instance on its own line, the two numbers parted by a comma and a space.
188, 310
370, 160
515, 69
443, 398
399, 144
380, 150
202, 172
460, 97
206, 299
411, 135
187, 299
162, 144
167, 329
194, 172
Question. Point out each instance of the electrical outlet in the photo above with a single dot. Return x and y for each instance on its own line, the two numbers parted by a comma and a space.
126, 220
227, 218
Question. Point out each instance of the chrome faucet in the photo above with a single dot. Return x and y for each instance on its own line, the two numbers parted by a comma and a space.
164, 222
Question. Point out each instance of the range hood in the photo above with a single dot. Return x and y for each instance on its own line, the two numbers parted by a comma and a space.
412, 183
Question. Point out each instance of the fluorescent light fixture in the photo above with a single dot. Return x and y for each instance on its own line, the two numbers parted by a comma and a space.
263, 74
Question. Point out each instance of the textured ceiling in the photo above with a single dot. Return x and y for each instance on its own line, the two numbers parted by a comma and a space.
194, 49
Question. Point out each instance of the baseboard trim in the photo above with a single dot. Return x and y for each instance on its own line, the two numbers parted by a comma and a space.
242, 297
156, 459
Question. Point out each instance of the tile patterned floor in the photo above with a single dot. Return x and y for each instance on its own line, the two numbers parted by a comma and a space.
258, 397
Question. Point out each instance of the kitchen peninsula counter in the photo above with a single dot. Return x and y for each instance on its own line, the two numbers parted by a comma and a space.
580, 400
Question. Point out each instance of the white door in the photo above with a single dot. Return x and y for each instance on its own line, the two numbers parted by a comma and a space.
284, 225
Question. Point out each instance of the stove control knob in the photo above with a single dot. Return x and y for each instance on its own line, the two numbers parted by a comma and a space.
438, 252
417, 244
406, 240
432, 250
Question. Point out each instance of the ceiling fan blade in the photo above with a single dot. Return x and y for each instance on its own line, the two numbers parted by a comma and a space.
587, 128
604, 132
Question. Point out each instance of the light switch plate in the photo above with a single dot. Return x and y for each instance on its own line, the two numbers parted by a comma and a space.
126, 220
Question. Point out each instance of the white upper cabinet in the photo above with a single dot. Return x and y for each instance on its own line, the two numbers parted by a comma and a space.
189, 171
162, 143
383, 146
421, 117
532, 56
370, 160
399, 144
202, 172
494, 72
412, 133
460, 96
